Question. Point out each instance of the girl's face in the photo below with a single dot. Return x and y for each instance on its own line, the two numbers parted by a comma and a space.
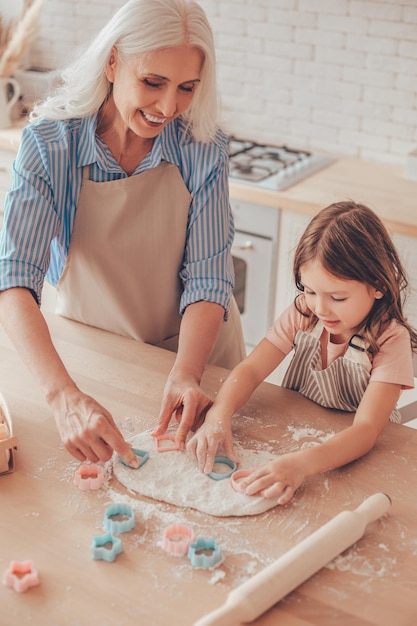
150, 91
340, 304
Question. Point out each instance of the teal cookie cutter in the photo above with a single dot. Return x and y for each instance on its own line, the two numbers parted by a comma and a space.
122, 525
225, 461
143, 455
205, 553
106, 547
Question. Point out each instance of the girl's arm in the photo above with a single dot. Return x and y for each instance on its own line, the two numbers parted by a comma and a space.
235, 391
286, 473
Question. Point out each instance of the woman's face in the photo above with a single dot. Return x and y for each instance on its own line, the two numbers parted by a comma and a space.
152, 90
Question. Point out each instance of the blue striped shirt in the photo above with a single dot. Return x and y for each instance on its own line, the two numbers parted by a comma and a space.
40, 207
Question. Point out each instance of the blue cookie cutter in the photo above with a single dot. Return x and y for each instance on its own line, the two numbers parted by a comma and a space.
142, 454
99, 551
197, 556
119, 526
226, 461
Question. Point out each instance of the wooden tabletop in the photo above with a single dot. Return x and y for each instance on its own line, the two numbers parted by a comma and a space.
46, 518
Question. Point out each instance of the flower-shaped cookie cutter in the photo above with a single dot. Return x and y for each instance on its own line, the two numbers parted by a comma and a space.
106, 547
143, 455
237, 476
161, 447
89, 476
21, 575
205, 553
223, 460
177, 539
121, 525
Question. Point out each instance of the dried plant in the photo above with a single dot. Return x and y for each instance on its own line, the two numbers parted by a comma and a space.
16, 37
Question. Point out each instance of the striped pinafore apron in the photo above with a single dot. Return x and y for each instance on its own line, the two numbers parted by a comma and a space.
342, 384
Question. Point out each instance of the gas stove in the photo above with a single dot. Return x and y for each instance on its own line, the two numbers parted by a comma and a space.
271, 167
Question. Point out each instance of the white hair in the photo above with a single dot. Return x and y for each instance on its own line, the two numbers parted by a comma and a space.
139, 27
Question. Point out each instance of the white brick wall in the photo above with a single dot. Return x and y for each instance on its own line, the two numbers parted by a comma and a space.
331, 75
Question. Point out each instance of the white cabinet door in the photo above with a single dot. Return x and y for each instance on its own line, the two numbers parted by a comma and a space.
292, 226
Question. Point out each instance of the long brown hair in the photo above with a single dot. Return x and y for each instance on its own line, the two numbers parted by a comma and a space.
351, 242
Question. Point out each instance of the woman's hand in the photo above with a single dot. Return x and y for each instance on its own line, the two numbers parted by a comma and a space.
183, 398
280, 477
87, 429
204, 444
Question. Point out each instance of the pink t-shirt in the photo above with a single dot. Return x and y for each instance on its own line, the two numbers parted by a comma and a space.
393, 363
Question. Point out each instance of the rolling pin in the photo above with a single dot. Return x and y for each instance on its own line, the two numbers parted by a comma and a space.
255, 596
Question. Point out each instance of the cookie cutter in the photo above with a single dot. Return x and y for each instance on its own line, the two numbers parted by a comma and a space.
119, 526
8, 441
142, 454
225, 461
21, 575
205, 553
106, 547
177, 539
165, 437
236, 477
89, 476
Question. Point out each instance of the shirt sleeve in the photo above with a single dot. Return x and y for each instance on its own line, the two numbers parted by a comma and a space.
30, 222
207, 272
394, 361
284, 329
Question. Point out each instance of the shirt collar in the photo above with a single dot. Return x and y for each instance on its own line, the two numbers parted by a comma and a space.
165, 147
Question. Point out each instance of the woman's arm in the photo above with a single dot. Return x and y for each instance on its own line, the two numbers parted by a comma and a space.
183, 396
87, 430
282, 476
235, 391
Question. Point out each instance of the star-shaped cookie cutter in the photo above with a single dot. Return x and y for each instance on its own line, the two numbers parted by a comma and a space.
106, 547
21, 575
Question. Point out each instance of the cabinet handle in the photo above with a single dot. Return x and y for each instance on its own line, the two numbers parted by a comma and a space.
248, 245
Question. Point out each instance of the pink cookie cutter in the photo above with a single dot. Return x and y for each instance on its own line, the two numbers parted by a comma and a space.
237, 476
20, 576
165, 448
177, 539
89, 476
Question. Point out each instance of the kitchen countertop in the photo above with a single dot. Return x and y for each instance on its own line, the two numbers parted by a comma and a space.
47, 519
382, 187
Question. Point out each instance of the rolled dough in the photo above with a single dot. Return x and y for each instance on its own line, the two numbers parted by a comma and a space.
174, 477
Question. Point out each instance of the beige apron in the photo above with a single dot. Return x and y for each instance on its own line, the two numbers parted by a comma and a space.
123, 263
342, 384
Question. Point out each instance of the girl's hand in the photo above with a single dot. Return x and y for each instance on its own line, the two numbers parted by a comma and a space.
87, 430
280, 477
184, 398
204, 444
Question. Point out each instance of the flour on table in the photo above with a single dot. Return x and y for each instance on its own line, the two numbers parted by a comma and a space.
174, 477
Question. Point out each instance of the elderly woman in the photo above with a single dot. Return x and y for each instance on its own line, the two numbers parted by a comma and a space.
120, 200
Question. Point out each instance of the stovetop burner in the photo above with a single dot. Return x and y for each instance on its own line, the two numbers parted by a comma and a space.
272, 167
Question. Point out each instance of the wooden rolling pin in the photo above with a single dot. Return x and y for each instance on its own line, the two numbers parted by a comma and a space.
255, 596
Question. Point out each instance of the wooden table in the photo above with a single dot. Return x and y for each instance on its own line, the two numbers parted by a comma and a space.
47, 519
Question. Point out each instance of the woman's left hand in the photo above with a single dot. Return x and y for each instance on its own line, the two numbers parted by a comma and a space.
184, 398
280, 477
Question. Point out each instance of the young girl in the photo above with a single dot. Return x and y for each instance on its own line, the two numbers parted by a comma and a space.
352, 348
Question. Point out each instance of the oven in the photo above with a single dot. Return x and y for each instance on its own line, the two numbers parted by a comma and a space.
255, 247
